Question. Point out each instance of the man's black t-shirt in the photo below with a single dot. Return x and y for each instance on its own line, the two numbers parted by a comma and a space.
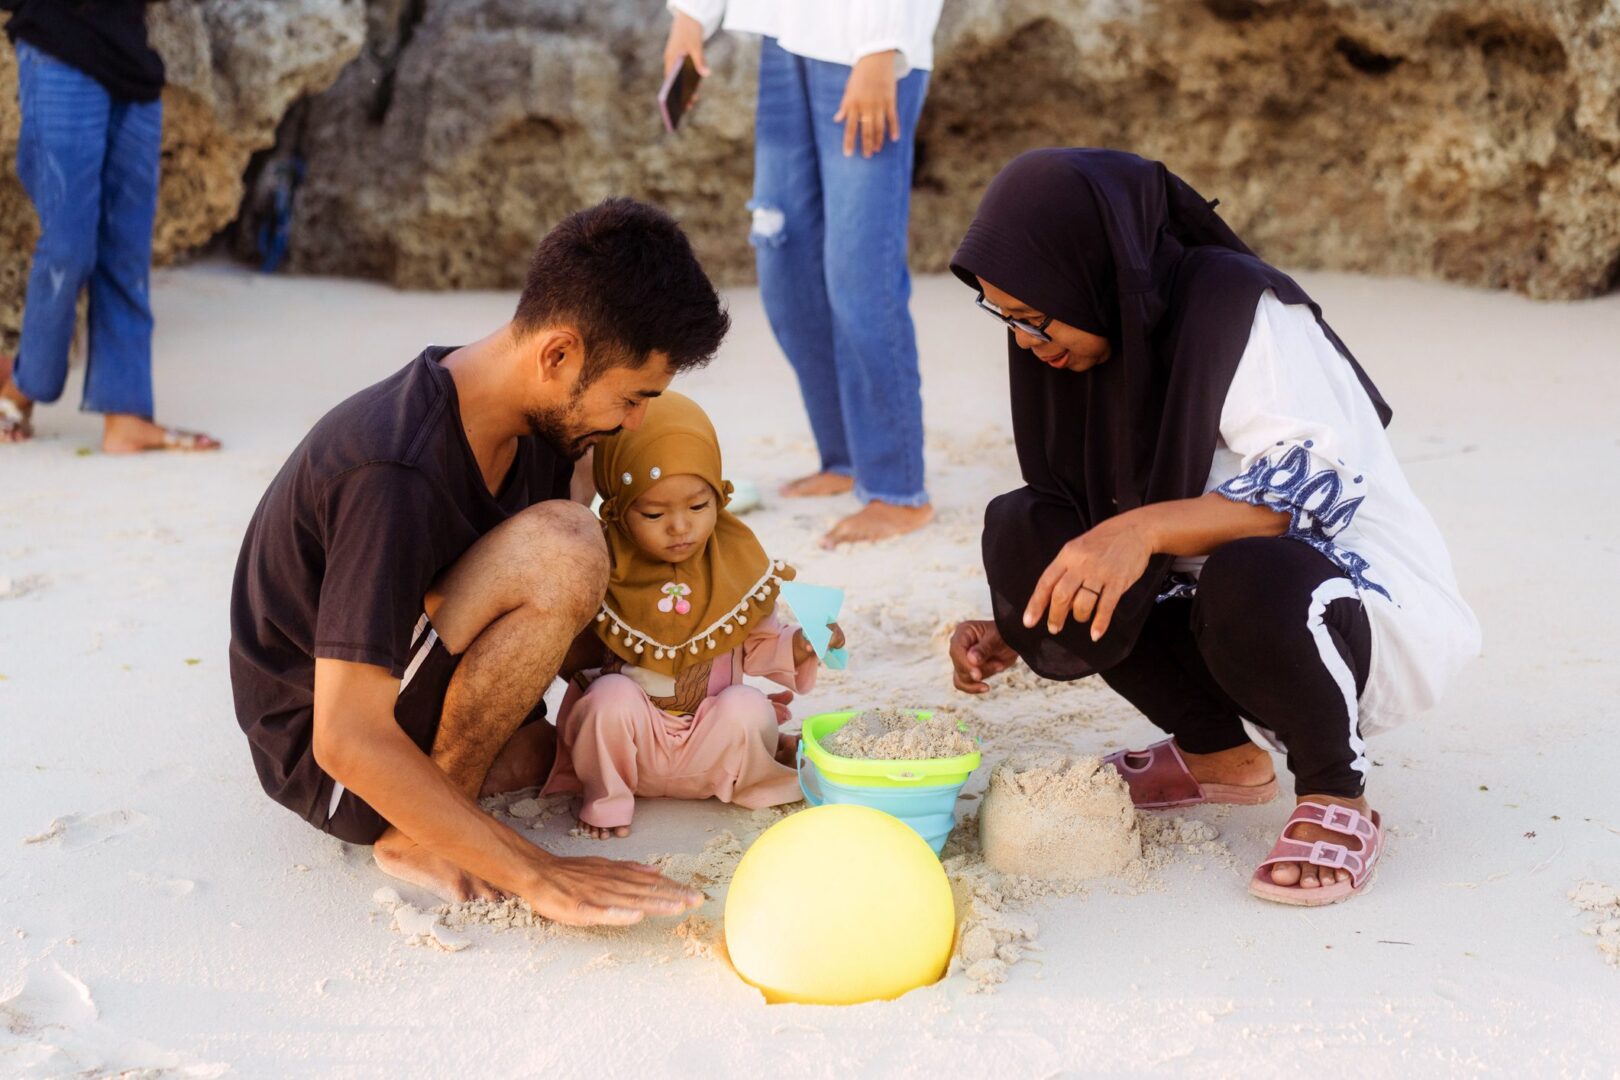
105, 39
381, 497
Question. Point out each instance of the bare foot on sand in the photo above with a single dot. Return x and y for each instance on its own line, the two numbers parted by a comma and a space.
397, 854
877, 521
126, 434
525, 760
597, 832
1308, 875
787, 750
821, 483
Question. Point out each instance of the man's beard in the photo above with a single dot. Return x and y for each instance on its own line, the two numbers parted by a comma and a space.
558, 429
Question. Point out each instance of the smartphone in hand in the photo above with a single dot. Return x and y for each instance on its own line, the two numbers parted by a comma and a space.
675, 97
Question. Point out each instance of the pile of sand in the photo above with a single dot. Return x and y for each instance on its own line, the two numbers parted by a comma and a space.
525, 809
896, 735
419, 927
995, 929
1060, 818
1604, 902
706, 869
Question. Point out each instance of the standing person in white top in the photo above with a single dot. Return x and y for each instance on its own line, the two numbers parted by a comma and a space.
841, 88
1213, 519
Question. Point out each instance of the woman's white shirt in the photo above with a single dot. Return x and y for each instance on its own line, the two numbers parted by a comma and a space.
1299, 434
836, 31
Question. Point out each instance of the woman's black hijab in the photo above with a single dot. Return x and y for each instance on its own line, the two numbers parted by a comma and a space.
1121, 247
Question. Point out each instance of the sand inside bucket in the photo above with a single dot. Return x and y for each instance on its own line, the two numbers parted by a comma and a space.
1058, 817
895, 735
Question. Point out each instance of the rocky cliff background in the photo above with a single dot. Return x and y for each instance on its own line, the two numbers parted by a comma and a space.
1472, 140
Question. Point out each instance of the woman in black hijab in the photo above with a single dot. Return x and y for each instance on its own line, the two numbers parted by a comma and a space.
1212, 517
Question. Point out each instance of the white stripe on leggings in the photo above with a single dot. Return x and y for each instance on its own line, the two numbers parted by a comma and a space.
1338, 588
423, 646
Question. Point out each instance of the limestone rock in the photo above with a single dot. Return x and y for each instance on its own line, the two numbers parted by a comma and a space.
234, 68
1473, 140
468, 127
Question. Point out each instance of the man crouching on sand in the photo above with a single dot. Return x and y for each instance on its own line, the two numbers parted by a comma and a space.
414, 577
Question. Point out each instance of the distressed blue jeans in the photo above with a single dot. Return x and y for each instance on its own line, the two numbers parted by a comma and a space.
829, 236
89, 162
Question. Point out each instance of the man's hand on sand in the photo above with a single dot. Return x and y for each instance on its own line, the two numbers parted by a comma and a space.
605, 892
977, 653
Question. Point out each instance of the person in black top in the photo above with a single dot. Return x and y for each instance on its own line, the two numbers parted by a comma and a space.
415, 576
87, 153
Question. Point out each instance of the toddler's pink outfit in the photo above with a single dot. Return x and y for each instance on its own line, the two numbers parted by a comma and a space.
713, 736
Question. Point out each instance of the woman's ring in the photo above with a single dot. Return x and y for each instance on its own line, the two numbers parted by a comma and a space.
1093, 592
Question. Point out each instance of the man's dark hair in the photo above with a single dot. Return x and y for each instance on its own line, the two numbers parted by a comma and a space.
624, 274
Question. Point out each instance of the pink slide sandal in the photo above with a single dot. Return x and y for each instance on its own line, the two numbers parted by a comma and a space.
1360, 861
1159, 779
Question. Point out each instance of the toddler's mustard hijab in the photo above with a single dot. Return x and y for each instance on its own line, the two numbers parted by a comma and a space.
664, 616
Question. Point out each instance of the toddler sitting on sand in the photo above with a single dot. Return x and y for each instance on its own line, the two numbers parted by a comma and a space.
689, 611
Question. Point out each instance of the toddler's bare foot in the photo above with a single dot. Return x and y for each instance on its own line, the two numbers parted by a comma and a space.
597, 832
878, 521
821, 483
787, 750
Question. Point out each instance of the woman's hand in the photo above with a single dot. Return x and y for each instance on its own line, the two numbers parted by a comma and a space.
977, 652
685, 39
803, 650
869, 104
1090, 574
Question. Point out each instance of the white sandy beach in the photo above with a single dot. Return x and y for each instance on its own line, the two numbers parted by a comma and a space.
179, 923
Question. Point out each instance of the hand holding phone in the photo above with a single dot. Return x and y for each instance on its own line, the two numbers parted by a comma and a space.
675, 96
684, 67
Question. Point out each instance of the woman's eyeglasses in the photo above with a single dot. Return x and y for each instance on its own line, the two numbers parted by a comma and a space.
1034, 330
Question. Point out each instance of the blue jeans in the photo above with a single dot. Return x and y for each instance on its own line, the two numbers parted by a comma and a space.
89, 162
830, 243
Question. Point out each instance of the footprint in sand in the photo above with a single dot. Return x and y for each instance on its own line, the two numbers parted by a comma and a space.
72, 832
12, 588
173, 888
50, 1025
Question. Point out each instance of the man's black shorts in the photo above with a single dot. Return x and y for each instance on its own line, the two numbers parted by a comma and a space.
421, 702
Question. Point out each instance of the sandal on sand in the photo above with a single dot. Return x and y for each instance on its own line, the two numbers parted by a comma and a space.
1359, 861
175, 439
1159, 779
13, 421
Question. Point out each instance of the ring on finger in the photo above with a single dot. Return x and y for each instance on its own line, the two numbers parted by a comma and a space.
1089, 589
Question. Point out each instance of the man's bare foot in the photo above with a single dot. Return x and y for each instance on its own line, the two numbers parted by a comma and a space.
16, 409
1241, 766
525, 760
877, 521
821, 483
1308, 875
126, 434
399, 855
787, 750
597, 832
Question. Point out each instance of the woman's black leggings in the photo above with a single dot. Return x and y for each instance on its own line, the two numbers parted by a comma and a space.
1275, 634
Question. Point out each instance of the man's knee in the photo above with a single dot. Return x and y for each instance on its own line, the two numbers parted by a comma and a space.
565, 554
